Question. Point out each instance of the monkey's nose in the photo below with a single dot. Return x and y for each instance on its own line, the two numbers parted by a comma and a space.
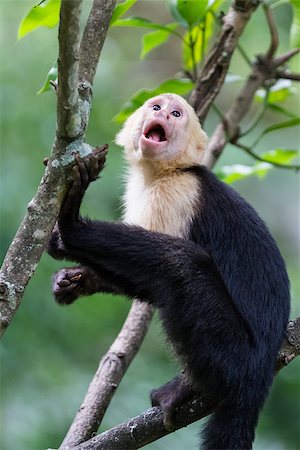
163, 113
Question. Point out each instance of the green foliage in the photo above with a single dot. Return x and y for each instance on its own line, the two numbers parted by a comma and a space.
188, 12
156, 38
236, 172
121, 9
295, 28
277, 126
51, 76
142, 22
281, 156
278, 93
176, 86
45, 14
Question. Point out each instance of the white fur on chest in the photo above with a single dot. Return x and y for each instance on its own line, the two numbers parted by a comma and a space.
166, 204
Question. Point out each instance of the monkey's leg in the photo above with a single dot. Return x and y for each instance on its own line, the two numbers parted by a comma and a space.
171, 395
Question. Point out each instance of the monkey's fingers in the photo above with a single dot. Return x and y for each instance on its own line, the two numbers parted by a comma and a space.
100, 153
84, 168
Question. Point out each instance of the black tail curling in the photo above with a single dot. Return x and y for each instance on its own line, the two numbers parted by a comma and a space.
232, 426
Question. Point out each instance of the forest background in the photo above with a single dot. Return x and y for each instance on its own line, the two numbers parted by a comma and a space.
49, 354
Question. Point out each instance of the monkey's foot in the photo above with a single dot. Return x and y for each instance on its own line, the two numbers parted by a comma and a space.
68, 284
169, 396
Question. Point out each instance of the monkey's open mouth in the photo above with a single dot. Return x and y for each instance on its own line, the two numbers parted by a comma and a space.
156, 133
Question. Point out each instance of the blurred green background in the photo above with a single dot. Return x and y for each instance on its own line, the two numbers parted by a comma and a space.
49, 354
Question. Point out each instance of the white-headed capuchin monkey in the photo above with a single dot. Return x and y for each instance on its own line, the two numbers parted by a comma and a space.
198, 252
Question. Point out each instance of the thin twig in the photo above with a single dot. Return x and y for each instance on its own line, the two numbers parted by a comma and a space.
280, 60
287, 75
273, 32
228, 129
259, 115
254, 155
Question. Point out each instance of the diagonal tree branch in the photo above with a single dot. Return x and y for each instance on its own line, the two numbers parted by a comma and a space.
212, 75
148, 426
112, 367
32, 236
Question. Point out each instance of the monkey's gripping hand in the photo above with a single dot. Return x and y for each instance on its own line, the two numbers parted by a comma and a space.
89, 167
72, 282
85, 171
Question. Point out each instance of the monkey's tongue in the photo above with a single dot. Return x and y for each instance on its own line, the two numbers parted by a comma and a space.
154, 136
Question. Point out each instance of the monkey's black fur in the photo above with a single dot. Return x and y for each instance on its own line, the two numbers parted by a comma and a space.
223, 297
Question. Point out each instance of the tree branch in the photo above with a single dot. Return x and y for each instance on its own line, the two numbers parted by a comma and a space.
212, 75
93, 38
32, 236
273, 32
68, 65
259, 158
263, 70
287, 74
148, 426
111, 369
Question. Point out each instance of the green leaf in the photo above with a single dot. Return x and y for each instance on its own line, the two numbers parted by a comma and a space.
213, 5
236, 172
278, 93
281, 110
278, 126
141, 22
281, 156
45, 14
196, 42
295, 28
154, 39
121, 9
188, 12
51, 76
176, 86
192, 48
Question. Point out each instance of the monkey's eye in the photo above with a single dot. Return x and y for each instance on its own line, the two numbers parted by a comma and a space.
156, 107
176, 113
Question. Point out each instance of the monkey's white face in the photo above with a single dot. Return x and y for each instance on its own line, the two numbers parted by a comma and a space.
164, 123
164, 130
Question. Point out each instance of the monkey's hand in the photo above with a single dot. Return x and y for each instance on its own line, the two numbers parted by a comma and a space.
72, 282
85, 171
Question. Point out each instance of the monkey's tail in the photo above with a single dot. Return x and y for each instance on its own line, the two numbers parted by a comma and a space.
232, 426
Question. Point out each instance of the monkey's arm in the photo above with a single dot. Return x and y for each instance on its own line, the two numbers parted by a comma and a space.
137, 258
56, 247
